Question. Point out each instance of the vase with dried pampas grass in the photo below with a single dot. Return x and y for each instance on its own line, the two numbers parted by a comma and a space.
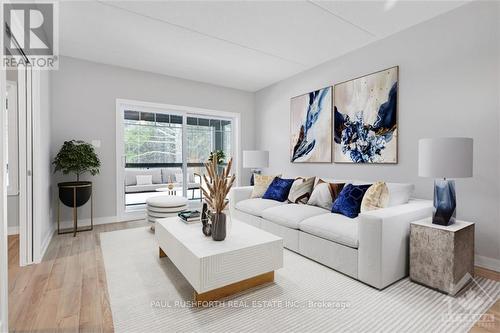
216, 187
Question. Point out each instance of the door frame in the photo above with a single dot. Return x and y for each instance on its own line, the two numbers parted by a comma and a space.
184, 111
13, 188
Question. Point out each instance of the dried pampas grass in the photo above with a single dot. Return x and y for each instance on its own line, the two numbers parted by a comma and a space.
217, 185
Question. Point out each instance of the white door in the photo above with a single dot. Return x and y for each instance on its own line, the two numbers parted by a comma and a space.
3, 213
25, 106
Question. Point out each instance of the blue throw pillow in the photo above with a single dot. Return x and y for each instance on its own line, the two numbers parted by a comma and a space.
279, 189
348, 203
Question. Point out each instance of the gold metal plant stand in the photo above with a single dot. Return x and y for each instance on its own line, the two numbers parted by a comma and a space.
75, 228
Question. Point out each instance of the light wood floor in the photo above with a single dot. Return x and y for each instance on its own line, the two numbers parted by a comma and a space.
67, 292
494, 311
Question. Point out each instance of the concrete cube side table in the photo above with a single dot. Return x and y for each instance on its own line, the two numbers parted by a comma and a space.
442, 257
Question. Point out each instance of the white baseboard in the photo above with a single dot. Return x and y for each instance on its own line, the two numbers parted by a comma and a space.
100, 220
488, 263
13, 230
45, 244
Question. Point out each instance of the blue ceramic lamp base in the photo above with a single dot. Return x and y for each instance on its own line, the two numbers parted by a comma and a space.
445, 203
254, 171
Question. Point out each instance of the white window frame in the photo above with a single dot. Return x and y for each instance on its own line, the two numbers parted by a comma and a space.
184, 111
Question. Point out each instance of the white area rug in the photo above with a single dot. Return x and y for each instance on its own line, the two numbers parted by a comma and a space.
149, 294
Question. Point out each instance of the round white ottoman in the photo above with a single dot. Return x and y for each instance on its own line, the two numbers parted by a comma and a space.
162, 206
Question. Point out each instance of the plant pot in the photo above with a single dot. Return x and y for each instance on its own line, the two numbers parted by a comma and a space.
67, 193
218, 226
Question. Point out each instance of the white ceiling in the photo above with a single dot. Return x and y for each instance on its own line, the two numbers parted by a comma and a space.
246, 45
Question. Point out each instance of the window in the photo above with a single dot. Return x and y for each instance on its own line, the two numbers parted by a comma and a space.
172, 148
152, 139
206, 135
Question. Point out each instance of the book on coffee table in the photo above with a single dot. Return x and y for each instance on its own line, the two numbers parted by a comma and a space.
190, 216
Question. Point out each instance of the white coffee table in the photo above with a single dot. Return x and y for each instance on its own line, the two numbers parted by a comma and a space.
247, 258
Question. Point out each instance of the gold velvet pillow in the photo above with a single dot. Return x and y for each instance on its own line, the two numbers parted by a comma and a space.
377, 196
261, 183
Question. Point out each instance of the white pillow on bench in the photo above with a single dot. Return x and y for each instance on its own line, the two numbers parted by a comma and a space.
144, 179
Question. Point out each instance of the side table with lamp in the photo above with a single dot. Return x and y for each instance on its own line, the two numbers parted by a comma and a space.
441, 247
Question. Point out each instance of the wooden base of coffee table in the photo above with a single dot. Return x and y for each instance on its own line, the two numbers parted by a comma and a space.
161, 253
233, 288
230, 289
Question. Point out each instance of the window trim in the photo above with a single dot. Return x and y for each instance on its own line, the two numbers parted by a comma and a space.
184, 111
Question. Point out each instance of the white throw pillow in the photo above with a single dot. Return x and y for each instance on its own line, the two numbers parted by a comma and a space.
324, 194
321, 197
399, 193
144, 179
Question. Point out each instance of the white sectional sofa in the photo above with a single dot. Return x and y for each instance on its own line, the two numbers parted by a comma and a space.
372, 247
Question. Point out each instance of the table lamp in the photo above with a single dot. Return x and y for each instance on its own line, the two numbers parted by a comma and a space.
443, 158
255, 160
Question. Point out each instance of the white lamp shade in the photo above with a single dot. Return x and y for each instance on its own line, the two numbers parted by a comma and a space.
255, 159
445, 157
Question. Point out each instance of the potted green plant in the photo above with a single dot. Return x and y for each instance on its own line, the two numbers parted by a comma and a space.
76, 157
218, 156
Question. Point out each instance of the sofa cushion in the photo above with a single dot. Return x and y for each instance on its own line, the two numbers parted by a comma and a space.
144, 180
291, 215
256, 206
334, 227
130, 175
143, 188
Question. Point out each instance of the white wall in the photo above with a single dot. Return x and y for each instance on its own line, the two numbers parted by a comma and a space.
449, 86
84, 104
13, 213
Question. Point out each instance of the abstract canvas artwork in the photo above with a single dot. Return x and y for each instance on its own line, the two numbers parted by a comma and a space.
311, 127
365, 119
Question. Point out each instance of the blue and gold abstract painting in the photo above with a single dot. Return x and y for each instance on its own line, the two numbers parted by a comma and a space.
365, 119
311, 127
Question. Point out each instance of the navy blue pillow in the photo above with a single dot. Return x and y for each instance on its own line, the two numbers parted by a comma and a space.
348, 203
278, 190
